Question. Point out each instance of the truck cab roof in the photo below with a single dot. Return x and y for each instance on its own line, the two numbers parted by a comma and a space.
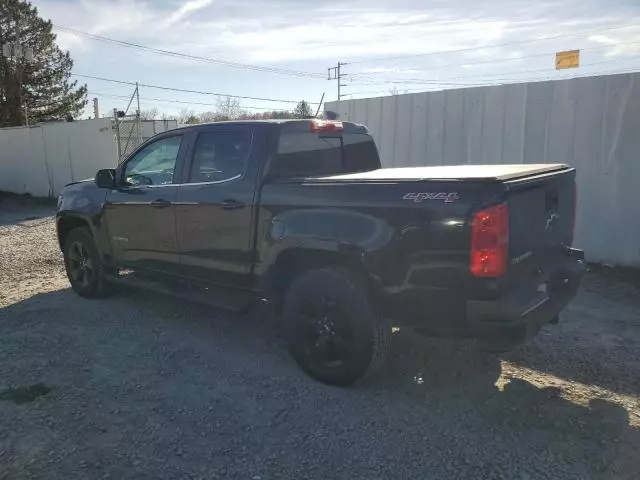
299, 123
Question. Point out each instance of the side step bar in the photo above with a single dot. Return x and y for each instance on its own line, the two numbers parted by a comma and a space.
225, 298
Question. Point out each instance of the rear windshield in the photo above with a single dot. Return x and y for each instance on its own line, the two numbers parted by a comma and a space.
302, 154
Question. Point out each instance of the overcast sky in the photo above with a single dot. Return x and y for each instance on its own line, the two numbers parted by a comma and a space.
311, 35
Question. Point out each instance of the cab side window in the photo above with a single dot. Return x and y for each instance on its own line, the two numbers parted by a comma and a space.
220, 156
154, 164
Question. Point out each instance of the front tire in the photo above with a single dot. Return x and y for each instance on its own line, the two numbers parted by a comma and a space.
332, 328
83, 264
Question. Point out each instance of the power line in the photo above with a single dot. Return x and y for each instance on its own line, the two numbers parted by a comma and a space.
408, 82
469, 49
245, 66
387, 91
173, 89
499, 60
501, 82
479, 77
166, 100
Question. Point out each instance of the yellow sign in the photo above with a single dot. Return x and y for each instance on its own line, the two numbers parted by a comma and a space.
568, 59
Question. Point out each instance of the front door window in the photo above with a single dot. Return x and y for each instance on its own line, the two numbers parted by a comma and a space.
154, 164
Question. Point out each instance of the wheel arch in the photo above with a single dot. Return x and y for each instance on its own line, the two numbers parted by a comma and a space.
66, 223
293, 262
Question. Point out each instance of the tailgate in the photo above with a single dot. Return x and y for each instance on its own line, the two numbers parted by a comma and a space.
541, 220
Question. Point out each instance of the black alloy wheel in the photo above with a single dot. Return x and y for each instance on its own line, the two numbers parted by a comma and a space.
325, 337
84, 265
332, 326
81, 268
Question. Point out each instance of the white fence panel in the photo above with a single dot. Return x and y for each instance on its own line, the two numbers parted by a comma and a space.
41, 159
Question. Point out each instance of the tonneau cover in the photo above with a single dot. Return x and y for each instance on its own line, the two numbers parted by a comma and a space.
495, 173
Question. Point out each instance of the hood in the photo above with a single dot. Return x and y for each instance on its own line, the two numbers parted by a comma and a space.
85, 180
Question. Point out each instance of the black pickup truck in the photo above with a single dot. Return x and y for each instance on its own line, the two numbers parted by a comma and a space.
301, 214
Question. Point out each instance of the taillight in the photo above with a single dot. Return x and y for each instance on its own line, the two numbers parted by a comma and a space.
490, 242
326, 126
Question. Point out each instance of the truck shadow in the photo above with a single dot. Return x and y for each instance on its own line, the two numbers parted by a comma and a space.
448, 383
451, 378
598, 338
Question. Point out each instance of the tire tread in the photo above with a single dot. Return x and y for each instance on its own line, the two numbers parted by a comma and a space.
101, 288
381, 329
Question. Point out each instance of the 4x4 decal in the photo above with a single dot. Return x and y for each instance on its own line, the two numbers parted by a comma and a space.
448, 197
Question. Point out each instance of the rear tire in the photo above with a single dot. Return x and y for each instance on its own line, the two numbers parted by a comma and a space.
83, 264
332, 328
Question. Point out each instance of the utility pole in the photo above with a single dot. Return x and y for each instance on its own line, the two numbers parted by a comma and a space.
333, 73
116, 122
138, 124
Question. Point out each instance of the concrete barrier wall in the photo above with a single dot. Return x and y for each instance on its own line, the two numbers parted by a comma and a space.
42, 159
590, 123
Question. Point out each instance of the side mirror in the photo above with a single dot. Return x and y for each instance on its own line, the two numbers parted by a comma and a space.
106, 178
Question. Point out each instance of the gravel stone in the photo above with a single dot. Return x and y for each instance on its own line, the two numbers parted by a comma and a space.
148, 387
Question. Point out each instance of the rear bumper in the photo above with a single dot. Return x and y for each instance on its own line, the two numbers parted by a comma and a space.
510, 320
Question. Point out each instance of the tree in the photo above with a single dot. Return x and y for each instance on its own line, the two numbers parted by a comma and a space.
303, 110
149, 114
394, 91
39, 88
186, 116
209, 116
280, 114
266, 115
228, 108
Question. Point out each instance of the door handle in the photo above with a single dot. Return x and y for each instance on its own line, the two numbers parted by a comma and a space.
160, 203
231, 204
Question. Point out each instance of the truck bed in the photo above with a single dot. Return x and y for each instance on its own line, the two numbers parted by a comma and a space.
478, 173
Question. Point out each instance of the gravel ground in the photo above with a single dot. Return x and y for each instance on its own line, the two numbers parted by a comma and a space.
145, 387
